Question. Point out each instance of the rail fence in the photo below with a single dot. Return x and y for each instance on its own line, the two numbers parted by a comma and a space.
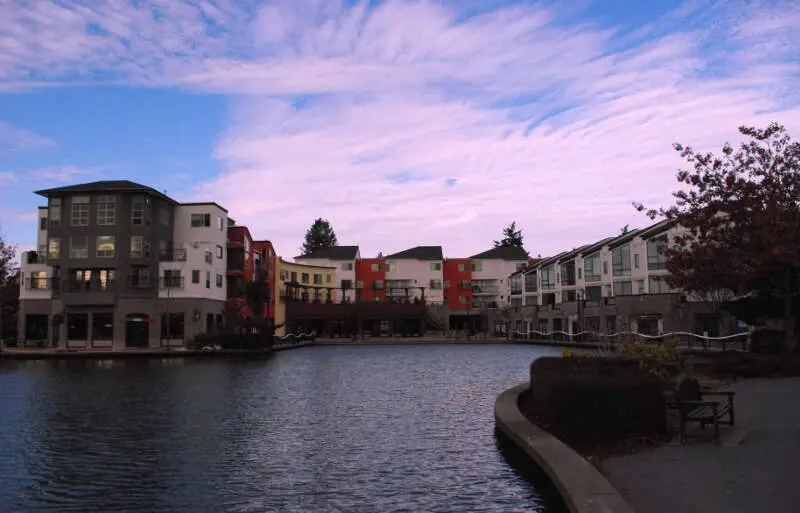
685, 339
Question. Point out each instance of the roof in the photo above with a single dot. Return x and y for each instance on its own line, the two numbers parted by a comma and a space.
592, 248
546, 262
572, 254
656, 229
504, 253
419, 253
300, 265
104, 186
622, 239
334, 253
204, 204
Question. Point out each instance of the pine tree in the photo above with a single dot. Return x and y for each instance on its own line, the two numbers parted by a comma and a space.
511, 237
319, 236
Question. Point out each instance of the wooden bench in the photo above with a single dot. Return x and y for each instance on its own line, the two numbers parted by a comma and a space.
694, 408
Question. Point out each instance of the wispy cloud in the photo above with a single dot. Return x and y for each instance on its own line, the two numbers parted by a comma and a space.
13, 138
421, 122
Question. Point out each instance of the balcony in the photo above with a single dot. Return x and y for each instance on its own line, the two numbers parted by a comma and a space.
87, 286
41, 283
174, 255
34, 257
88, 292
488, 290
171, 282
138, 282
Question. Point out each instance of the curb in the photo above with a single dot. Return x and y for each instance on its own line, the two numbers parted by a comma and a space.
582, 487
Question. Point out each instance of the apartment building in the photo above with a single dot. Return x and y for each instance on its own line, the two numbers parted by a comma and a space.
248, 260
301, 282
490, 275
617, 283
414, 270
344, 259
123, 265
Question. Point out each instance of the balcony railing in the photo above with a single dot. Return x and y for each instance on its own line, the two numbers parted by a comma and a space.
485, 289
40, 283
89, 286
34, 257
173, 255
592, 278
139, 282
171, 282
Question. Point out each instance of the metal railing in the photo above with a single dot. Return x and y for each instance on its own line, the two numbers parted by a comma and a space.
172, 255
89, 286
685, 339
171, 282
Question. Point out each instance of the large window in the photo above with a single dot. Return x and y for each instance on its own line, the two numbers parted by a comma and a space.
172, 326
477, 267
623, 288
54, 249
594, 293
658, 285
79, 247
200, 220
436, 284
436, 266
219, 252
657, 253
375, 268
568, 273
591, 268
377, 284
38, 280
140, 277
137, 211
106, 279
347, 266
54, 211
106, 210
172, 279
548, 278
102, 326
516, 284
218, 277
79, 213
317, 279
140, 247
531, 284
105, 246
77, 326
621, 260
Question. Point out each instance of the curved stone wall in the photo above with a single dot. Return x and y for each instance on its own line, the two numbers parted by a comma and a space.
582, 487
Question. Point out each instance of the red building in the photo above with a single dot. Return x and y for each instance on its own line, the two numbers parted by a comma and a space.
371, 278
266, 260
457, 278
249, 260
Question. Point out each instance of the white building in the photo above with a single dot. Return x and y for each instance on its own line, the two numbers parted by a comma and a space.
420, 266
490, 275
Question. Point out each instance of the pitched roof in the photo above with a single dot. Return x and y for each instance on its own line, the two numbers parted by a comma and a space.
419, 253
504, 253
104, 186
622, 239
572, 254
656, 229
592, 248
334, 253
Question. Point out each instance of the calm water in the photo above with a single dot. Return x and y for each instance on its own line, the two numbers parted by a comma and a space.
401, 428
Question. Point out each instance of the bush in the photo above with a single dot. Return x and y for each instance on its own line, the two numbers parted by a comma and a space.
591, 403
660, 360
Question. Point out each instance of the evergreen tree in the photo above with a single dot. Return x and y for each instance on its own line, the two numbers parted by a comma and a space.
319, 236
511, 237
9, 289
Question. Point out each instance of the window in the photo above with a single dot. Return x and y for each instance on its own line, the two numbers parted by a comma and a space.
376, 267
317, 279
106, 279
605, 267
465, 285
531, 282
79, 213
623, 288
293, 277
328, 278
55, 212
520, 266
436, 284
462, 268
621, 260
42, 223
657, 253
102, 326
163, 216
220, 224
172, 279
137, 211
463, 300
548, 278
137, 246
636, 261
105, 246
106, 210
140, 277
347, 284
436, 266
377, 284
304, 277
38, 280
594, 293
195, 276
208, 279
200, 220
77, 326
172, 326
658, 285
54, 249
219, 281
219, 252
568, 273
516, 284
79, 247
391, 267
209, 257
477, 267
579, 273
347, 266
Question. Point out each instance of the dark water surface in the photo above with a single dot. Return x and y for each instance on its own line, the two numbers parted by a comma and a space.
352, 429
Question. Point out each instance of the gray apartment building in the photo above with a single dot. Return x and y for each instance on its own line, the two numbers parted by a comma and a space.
120, 264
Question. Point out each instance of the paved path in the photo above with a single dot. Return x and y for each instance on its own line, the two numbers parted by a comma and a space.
759, 475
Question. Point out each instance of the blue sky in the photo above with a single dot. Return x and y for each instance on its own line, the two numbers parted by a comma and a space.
404, 123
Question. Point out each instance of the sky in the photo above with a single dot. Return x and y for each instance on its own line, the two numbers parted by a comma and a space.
403, 123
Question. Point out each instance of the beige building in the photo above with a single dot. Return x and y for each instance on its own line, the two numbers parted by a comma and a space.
316, 283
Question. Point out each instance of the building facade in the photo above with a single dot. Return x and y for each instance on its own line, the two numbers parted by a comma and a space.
121, 265
301, 282
615, 285
344, 259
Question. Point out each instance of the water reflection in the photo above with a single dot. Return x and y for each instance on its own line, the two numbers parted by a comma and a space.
314, 429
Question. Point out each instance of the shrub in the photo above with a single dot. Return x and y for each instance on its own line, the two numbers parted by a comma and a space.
660, 360
596, 402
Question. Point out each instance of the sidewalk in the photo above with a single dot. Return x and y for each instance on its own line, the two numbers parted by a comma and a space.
758, 475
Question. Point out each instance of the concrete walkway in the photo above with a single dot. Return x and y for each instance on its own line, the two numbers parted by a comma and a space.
758, 473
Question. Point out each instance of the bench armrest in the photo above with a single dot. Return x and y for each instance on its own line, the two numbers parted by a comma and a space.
728, 393
698, 403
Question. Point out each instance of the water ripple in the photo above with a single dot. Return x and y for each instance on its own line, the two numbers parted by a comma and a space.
384, 429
